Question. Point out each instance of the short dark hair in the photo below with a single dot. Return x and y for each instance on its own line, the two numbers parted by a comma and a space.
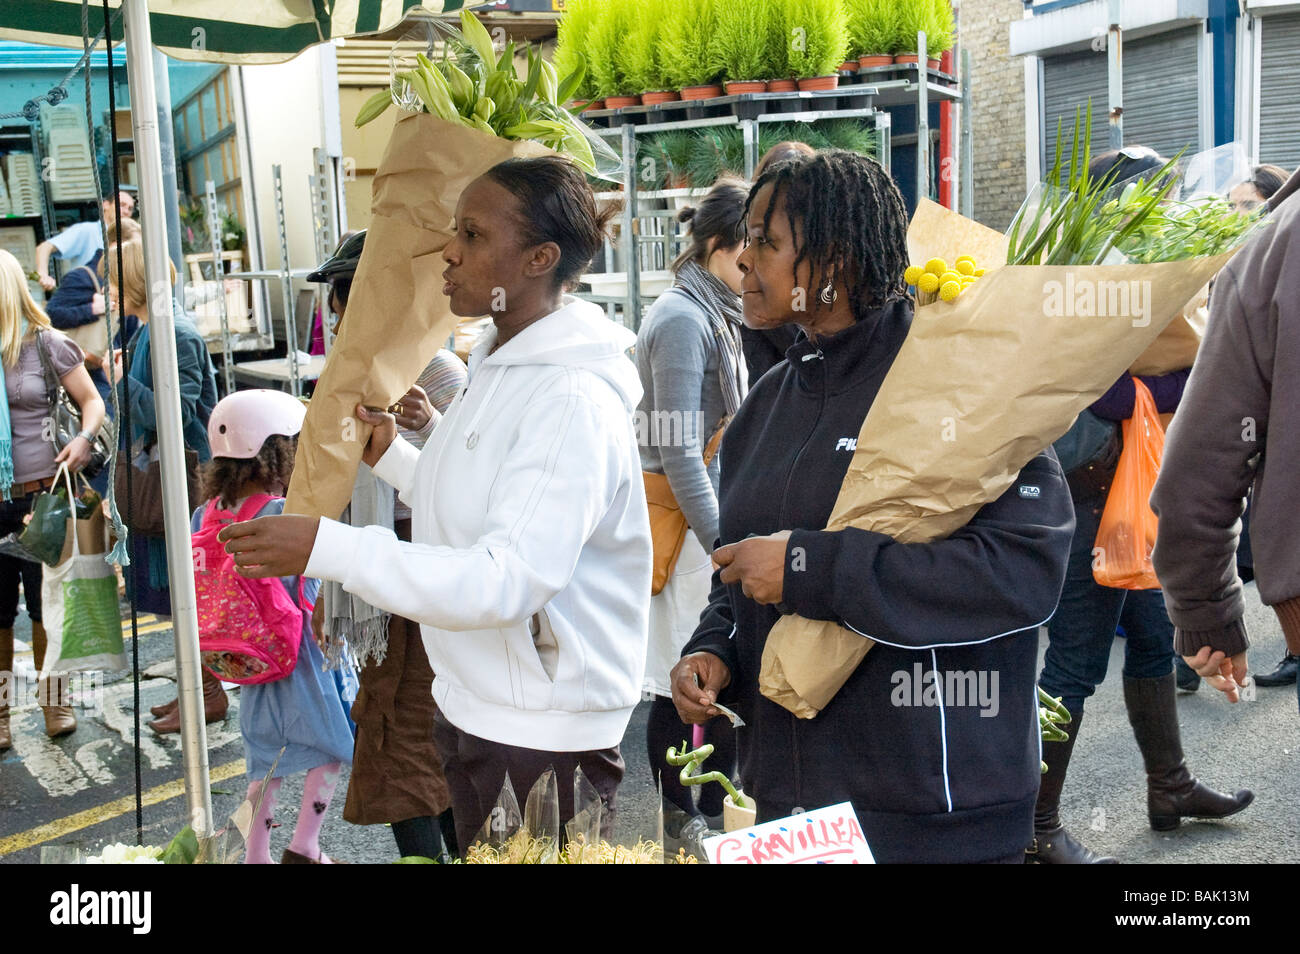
854, 223
719, 215
787, 149
1126, 163
342, 287
556, 205
224, 477
1267, 179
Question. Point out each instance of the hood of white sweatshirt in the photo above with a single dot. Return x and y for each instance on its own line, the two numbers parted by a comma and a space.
578, 334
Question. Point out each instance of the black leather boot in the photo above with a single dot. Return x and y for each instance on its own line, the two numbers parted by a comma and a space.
1283, 675
1173, 793
1053, 845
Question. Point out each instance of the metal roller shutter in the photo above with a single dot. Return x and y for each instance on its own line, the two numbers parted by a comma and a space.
1161, 98
1279, 90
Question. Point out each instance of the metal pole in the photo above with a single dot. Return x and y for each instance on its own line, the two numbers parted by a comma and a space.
1115, 75
884, 128
170, 194
167, 408
749, 133
967, 180
632, 316
922, 121
218, 275
286, 287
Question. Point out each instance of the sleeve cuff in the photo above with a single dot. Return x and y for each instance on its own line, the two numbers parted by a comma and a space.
397, 467
1231, 639
332, 552
810, 573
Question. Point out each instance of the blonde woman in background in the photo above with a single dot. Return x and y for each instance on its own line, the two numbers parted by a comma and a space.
147, 581
28, 463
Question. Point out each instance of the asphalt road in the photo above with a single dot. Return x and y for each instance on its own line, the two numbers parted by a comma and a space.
78, 791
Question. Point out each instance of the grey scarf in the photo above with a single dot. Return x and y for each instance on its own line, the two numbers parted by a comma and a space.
350, 622
722, 305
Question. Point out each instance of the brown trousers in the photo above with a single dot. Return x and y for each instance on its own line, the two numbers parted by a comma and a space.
396, 769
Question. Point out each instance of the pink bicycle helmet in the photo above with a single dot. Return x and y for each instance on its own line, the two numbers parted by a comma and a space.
241, 422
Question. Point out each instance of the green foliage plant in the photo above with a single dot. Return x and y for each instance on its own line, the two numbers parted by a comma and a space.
816, 33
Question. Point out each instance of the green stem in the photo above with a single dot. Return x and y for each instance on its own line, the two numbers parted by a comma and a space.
691, 762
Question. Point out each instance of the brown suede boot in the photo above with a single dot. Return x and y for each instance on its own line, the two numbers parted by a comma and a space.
59, 717
7, 676
215, 705
166, 707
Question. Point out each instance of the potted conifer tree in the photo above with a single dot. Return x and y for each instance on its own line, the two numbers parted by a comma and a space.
817, 34
573, 33
742, 47
873, 31
607, 60
688, 48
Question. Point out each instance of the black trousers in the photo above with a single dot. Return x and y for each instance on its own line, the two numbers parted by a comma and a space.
14, 571
476, 769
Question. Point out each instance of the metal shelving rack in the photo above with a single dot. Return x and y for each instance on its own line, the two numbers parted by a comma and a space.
881, 89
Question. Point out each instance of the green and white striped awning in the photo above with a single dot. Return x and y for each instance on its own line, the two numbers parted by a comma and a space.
223, 31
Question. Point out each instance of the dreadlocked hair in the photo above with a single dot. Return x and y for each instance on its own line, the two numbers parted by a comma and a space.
225, 478
853, 224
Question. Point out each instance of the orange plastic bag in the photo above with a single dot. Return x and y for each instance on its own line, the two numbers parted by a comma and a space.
1121, 557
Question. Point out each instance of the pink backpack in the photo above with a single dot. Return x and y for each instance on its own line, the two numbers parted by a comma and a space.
249, 630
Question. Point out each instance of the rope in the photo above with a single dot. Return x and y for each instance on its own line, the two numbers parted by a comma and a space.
120, 553
31, 110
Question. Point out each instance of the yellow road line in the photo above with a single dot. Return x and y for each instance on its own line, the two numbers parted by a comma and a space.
145, 630
61, 827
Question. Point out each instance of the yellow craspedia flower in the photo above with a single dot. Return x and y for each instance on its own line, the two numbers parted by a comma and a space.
964, 258
936, 266
949, 290
949, 276
928, 283
966, 265
978, 273
913, 274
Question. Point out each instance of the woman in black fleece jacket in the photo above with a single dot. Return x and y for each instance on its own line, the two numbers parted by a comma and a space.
934, 738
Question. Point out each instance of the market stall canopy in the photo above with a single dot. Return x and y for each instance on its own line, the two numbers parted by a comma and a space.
246, 32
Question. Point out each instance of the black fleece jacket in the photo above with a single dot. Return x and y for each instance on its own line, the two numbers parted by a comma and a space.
934, 738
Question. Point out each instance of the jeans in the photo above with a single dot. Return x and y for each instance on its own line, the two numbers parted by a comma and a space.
13, 570
1081, 632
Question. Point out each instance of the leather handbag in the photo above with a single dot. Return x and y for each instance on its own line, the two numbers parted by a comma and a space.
146, 498
66, 416
667, 522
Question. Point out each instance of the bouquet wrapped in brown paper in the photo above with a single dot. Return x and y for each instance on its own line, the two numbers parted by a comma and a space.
469, 113
981, 385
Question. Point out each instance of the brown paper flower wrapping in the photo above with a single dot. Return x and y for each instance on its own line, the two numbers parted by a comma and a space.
397, 314
977, 390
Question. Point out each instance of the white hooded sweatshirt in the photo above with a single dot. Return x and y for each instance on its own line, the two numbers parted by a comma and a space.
530, 565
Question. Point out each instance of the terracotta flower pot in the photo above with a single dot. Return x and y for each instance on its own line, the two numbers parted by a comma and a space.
618, 102
736, 87
933, 62
875, 59
849, 66
905, 58
781, 86
819, 82
659, 96
708, 91
597, 104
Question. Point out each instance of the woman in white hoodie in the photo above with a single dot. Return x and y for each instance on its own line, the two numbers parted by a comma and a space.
529, 566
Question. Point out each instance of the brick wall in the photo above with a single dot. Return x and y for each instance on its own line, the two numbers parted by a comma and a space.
998, 109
